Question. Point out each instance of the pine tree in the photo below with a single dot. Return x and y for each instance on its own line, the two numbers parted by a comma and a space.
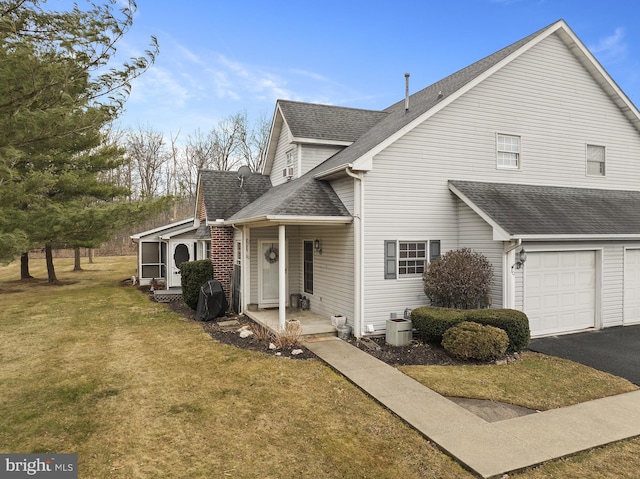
58, 94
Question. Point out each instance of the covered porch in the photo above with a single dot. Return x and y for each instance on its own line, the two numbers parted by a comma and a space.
313, 325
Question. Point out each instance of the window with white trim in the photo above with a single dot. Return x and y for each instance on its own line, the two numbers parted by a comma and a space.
406, 259
508, 151
595, 160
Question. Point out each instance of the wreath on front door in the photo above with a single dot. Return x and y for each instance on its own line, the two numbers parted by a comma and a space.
271, 255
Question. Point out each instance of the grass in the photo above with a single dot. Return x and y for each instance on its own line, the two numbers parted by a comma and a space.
94, 367
535, 381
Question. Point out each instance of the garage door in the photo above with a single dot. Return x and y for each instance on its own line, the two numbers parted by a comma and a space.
560, 291
632, 286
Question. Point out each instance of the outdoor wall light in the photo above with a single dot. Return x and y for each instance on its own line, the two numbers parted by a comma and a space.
317, 246
522, 258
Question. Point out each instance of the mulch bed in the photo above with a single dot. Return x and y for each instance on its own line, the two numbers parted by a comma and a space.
416, 353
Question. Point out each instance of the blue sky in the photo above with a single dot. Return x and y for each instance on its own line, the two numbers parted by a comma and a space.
221, 57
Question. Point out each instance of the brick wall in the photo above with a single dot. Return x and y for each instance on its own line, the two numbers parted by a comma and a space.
222, 256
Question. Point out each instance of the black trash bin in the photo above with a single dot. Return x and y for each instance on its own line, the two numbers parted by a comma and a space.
212, 303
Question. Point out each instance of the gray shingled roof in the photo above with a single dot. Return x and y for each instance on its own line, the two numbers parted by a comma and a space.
223, 195
548, 210
302, 197
325, 122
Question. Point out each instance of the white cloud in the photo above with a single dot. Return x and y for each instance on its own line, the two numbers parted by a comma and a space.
612, 48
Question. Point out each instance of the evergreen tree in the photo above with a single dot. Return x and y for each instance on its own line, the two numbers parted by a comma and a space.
58, 93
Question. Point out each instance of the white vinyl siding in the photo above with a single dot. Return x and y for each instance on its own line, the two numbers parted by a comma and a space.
280, 158
313, 155
477, 235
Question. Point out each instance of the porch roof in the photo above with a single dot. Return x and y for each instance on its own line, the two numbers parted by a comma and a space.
304, 200
553, 212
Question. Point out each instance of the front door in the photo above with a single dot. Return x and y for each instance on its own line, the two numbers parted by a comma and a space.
268, 277
181, 251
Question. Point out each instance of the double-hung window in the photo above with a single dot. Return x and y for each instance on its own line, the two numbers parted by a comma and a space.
508, 151
595, 160
406, 259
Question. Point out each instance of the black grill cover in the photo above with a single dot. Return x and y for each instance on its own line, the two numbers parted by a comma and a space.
212, 303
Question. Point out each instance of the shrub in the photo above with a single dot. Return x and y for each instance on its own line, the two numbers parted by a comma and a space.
458, 279
469, 340
431, 323
194, 275
514, 323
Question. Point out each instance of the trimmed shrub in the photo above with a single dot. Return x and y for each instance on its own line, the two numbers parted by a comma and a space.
514, 323
194, 275
469, 340
458, 279
431, 323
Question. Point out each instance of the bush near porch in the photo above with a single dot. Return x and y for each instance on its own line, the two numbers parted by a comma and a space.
432, 322
194, 274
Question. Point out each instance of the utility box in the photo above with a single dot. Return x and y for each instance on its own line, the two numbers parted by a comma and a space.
399, 332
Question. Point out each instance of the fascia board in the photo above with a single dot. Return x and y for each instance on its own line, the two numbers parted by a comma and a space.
272, 143
162, 228
315, 141
290, 220
578, 237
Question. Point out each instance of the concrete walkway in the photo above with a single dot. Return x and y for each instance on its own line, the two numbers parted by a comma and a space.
488, 448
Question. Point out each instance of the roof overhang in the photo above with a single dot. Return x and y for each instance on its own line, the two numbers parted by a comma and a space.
178, 225
271, 220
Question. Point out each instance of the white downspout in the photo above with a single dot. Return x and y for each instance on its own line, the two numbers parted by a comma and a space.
282, 278
358, 254
509, 287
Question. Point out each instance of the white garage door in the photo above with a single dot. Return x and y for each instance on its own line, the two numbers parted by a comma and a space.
632, 286
560, 291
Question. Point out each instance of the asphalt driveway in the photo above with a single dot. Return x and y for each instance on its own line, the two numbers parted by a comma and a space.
613, 350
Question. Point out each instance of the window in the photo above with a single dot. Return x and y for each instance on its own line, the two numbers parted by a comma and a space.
408, 258
412, 258
290, 158
595, 160
308, 267
508, 151
154, 259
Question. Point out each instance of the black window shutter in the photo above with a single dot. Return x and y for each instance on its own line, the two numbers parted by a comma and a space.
390, 259
434, 249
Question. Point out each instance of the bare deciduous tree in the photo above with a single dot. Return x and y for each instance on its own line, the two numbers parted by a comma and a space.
148, 152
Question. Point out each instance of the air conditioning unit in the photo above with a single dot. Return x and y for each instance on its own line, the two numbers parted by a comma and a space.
288, 172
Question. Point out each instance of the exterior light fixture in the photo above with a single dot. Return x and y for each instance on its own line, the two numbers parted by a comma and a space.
317, 246
522, 259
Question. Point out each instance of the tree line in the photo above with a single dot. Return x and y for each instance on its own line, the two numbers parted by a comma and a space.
159, 166
68, 179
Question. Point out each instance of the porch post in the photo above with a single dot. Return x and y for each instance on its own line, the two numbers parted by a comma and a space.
282, 277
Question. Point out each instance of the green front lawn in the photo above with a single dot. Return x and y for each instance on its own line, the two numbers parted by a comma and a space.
94, 367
